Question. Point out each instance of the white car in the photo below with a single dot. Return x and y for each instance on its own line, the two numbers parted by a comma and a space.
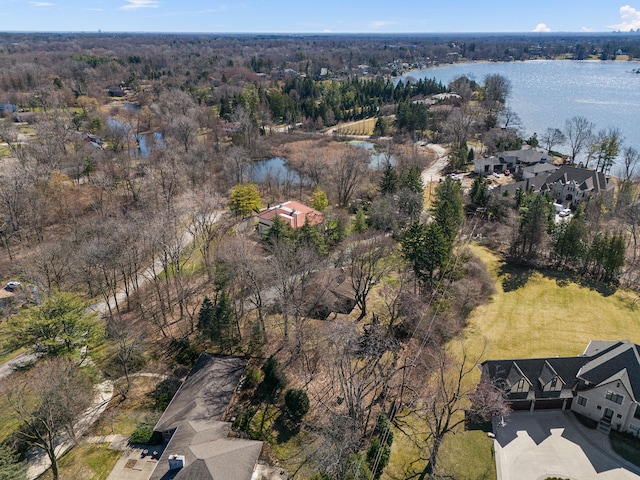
565, 213
495, 174
11, 285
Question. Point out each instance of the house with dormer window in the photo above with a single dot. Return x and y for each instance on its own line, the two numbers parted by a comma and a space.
603, 383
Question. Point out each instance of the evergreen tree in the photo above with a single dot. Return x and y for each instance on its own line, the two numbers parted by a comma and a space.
297, 404
10, 466
278, 231
206, 316
427, 248
389, 181
448, 208
570, 240
309, 235
360, 221
380, 128
274, 379
536, 216
412, 179
479, 193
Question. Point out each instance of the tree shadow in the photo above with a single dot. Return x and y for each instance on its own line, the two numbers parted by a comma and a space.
285, 429
564, 278
514, 276
475, 422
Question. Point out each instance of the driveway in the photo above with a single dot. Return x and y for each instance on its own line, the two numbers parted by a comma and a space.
537, 445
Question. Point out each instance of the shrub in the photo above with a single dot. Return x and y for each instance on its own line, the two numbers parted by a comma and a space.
164, 392
297, 404
253, 377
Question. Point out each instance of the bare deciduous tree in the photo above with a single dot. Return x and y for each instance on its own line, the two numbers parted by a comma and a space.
370, 262
348, 175
48, 402
578, 131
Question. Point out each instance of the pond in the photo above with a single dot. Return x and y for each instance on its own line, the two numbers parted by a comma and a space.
275, 168
377, 160
147, 142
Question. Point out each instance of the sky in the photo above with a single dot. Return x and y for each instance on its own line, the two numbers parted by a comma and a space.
326, 16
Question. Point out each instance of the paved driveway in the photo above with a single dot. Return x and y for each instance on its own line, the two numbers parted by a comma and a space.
537, 445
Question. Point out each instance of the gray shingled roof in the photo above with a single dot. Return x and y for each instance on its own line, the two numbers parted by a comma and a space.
588, 180
621, 356
600, 361
197, 414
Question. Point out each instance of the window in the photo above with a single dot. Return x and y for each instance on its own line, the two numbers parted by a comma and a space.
554, 382
614, 397
520, 387
582, 401
637, 412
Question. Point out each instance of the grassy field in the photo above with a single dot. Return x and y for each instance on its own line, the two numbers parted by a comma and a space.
363, 127
86, 462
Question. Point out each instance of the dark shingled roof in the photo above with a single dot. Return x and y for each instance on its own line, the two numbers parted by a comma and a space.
197, 414
601, 361
588, 180
620, 356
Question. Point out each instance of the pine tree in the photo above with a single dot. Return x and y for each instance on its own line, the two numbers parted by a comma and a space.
448, 209
389, 181
360, 222
205, 316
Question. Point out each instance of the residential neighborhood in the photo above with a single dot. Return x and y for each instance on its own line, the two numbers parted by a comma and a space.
326, 256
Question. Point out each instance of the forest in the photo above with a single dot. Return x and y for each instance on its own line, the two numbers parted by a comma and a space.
128, 195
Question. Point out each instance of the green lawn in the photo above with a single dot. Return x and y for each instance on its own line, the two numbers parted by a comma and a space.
538, 315
87, 462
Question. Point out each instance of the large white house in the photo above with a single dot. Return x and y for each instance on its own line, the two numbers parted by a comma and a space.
602, 384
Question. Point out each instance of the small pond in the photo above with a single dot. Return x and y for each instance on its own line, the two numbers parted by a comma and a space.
377, 159
275, 168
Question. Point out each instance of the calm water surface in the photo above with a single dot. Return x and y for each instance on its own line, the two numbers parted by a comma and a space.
545, 93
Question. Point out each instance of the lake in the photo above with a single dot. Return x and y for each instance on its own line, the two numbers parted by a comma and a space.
545, 93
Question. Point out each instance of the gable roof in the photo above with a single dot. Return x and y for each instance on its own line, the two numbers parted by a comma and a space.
196, 414
292, 213
612, 364
602, 362
586, 180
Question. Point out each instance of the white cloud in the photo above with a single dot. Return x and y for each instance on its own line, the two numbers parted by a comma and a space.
326, 30
541, 27
40, 4
587, 29
630, 19
135, 4
381, 23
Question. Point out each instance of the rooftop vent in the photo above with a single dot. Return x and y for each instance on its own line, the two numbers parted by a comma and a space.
176, 462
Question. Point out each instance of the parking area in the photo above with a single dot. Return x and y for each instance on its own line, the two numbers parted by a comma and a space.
538, 445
